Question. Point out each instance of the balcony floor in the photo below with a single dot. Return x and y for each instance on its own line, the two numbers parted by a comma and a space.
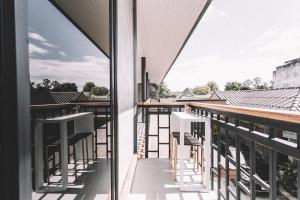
154, 180
92, 184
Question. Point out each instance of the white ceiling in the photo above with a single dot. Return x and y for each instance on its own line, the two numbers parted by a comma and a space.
91, 17
162, 28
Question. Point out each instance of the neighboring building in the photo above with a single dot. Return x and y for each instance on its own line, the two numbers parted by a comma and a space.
39, 98
187, 93
277, 99
92, 97
188, 96
287, 75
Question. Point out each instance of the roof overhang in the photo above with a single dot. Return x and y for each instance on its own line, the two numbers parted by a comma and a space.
90, 17
163, 28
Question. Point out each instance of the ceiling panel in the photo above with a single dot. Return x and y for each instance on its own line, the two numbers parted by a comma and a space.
163, 27
91, 17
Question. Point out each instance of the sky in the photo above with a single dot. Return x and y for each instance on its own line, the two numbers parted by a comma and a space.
59, 51
238, 40
234, 41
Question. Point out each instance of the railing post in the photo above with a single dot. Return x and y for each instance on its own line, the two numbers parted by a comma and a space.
226, 161
272, 166
146, 133
298, 168
238, 164
252, 165
219, 157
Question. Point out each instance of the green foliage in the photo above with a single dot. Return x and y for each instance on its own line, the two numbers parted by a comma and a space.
65, 87
247, 85
233, 85
88, 86
287, 177
47, 86
212, 85
201, 90
162, 90
99, 91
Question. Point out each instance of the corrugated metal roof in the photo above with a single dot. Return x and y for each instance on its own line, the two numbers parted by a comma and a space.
277, 99
68, 97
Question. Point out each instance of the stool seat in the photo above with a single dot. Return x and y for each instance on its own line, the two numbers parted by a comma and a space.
177, 134
194, 141
83, 134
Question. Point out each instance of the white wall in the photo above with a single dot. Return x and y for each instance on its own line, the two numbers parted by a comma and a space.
287, 76
125, 84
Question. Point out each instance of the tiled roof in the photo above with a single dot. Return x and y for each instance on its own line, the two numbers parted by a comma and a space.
39, 98
233, 97
67, 97
186, 93
277, 99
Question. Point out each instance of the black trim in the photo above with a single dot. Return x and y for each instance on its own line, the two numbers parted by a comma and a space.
134, 13
113, 42
189, 35
15, 139
77, 26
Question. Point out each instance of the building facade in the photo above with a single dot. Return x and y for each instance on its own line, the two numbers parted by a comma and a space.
287, 75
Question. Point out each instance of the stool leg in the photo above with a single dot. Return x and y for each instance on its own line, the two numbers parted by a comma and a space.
75, 161
198, 160
87, 152
175, 160
93, 147
46, 165
83, 156
194, 157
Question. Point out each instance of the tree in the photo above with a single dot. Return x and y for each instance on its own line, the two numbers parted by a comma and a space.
212, 86
247, 85
44, 86
233, 85
65, 87
88, 86
99, 91
162, 90
257, 82
201, 90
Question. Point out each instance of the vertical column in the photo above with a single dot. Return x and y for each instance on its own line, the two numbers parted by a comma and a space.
15, 137
113, 98
208, 154
144, 79
147, 86
272, 167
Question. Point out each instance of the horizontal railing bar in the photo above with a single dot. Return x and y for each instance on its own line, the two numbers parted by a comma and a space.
279, 119
244, 187
276, 144
261, 182
231, 192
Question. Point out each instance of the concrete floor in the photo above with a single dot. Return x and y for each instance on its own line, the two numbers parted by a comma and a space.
92, 184
154, 180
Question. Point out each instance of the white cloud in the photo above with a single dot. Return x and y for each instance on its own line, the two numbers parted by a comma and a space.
90, 69
33, 49
213, 12
36, 36
284, 42
62, 53
41, 39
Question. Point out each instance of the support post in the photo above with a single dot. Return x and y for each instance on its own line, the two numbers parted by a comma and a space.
15, 137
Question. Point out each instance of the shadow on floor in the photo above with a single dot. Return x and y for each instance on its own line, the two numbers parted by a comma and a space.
154, 180
92, 184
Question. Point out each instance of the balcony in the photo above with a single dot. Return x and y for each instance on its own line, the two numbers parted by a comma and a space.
250, 149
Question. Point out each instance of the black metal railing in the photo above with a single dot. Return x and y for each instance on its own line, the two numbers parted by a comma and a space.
247, 146
156, 140
250, 148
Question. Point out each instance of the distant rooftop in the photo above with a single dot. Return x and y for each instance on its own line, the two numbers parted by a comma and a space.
277, 99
